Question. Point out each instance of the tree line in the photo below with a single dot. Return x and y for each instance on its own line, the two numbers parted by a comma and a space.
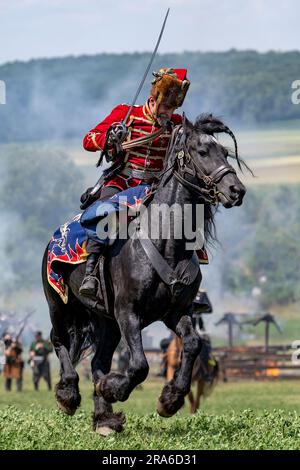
62, 98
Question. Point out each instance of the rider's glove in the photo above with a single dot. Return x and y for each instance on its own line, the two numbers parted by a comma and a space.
116, 135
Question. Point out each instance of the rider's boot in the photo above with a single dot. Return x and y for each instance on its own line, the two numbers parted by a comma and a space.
89, 286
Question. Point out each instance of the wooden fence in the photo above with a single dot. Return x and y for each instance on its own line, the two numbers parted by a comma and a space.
255, 363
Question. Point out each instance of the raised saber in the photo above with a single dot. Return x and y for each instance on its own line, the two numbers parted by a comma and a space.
122, 127
147, 69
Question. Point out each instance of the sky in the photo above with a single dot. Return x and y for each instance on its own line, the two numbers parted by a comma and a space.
56, 28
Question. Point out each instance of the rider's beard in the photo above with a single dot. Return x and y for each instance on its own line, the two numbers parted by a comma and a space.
163, 120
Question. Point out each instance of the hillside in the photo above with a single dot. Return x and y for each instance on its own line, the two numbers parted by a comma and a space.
63, 98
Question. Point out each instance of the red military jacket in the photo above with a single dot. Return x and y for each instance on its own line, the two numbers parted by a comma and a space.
149, 156
140, 123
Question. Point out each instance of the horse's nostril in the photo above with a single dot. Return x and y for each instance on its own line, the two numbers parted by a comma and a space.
234, 189
238, 190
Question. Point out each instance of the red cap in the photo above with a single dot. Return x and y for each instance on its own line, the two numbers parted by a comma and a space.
181, 73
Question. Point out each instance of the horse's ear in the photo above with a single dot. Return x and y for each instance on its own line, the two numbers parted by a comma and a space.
187, 125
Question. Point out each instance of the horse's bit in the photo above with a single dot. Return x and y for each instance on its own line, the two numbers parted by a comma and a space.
187, 165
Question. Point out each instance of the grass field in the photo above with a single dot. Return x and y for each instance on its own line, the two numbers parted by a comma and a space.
245, 415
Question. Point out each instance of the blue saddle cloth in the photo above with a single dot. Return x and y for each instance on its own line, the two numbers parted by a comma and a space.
68, 243
131, 198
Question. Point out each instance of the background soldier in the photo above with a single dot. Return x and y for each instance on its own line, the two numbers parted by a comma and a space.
13, 368
39, 351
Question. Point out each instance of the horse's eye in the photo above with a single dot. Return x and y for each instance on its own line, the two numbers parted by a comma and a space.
203, 152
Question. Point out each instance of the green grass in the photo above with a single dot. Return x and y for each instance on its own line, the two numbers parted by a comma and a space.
38, 428
245, 415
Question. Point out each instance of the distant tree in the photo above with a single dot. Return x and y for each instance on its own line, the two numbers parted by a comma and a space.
57, 98
39, 192
269, 249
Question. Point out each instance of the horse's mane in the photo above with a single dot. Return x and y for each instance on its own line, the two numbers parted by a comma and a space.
210, 231
209, 124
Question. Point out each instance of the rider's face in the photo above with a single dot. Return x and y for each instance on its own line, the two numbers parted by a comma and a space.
163, 113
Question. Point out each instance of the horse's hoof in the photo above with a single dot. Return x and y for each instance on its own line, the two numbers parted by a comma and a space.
162, 411
104, 430
66, 410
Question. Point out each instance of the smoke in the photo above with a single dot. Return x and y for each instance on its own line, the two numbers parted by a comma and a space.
50, 102
7, 276
232, 226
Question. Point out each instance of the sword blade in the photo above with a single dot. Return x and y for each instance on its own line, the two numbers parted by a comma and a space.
147, 69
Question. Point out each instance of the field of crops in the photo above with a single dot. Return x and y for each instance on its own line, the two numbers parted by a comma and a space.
272, 152
247, 415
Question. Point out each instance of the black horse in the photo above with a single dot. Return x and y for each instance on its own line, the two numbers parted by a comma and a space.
196, 171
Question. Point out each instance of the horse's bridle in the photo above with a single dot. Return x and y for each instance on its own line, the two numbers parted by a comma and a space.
188, 166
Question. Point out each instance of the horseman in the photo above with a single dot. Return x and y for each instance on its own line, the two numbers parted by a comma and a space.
137, 148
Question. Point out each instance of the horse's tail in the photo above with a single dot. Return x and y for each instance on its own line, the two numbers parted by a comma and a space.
71, 323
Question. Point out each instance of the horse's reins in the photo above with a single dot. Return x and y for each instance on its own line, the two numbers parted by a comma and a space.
142, 140
132, 143
210, 192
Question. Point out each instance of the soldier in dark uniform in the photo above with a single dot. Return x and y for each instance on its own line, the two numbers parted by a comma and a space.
39, 351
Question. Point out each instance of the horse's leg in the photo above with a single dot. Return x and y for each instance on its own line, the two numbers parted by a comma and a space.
104, 420
173, 393
116, 386
67, 390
